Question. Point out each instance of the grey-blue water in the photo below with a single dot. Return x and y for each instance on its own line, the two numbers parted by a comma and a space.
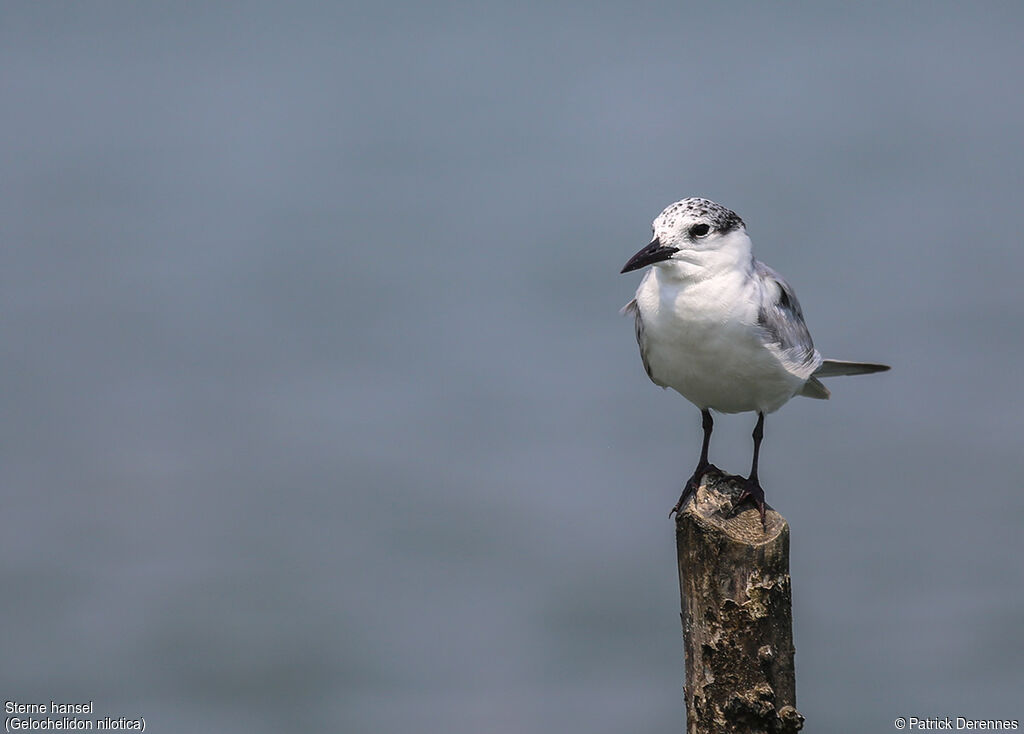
318, 413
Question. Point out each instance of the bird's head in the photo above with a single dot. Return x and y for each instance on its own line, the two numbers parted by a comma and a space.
693, 235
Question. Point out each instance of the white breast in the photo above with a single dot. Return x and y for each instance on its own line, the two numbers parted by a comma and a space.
701, 338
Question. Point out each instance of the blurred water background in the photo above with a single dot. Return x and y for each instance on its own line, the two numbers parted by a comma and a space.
319, 414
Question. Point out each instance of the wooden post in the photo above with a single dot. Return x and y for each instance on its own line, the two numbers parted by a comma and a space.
737, 615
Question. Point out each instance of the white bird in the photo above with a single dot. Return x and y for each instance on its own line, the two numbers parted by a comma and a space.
721, 328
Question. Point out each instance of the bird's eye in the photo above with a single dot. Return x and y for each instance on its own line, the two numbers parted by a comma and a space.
699, 230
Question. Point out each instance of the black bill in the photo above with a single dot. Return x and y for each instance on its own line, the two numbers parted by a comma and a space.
653, 253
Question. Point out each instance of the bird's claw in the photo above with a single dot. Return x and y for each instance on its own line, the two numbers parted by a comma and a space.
752, 490
688, 489
691, 486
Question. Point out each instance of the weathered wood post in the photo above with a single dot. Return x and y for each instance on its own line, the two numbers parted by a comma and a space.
737, 614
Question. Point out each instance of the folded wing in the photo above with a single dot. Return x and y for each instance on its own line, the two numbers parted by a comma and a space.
837, 367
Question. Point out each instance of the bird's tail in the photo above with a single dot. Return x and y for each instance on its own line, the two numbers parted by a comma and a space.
814, 389
836, 367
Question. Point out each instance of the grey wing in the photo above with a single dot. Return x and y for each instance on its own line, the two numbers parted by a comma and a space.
780, 316
638, 322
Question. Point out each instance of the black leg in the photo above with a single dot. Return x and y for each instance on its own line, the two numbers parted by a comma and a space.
707, 423
752, 487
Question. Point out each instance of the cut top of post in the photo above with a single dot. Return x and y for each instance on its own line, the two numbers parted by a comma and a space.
714, 506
